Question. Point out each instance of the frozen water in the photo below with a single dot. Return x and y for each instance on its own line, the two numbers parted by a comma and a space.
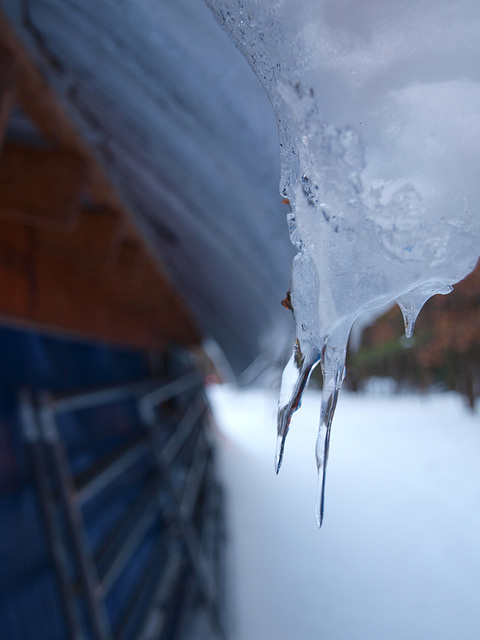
378, 113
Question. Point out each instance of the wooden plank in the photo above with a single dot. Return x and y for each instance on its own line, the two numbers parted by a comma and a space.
15, 281
41, 187
92, 242
131, 260
43, 291
8, 89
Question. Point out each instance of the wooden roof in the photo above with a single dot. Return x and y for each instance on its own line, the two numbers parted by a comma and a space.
71, 257
186, 134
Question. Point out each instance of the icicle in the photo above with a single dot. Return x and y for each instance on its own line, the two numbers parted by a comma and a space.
295, 379
308, 343
378, 164
411, 304
333, 371
294, 383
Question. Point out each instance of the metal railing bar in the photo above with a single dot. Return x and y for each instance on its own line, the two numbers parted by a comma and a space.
75, 526
184, 429
212, 533
196, 555
140, 591
129, 545
194, 479
150, 599
161, 388
207, 536
55, 540
122, 529
156, 614
92, 398
190, 604
204, 574
209, 515
208, 529
173, 389
94, 481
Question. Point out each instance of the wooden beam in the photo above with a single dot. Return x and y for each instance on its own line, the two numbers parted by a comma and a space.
8, 89
42, 187
92, 242
71, 299
44, 290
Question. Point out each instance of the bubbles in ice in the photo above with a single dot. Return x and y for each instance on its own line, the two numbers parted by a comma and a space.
378, 112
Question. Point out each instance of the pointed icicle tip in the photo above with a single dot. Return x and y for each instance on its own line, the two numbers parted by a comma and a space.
320, 499
409, 319
410, 308
279, 453
411, 303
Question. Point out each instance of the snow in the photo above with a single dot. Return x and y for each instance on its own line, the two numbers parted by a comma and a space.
397, 556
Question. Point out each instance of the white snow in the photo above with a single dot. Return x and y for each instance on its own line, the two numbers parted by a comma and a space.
398, 555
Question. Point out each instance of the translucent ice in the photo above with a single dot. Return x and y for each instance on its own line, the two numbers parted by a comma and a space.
378, 112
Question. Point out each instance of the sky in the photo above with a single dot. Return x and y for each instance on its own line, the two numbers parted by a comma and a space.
398, 555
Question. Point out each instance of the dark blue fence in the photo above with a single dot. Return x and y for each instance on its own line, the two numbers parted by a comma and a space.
144, 488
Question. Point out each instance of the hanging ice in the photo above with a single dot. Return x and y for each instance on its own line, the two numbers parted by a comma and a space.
378, 112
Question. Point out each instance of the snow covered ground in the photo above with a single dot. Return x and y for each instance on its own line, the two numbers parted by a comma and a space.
398, 556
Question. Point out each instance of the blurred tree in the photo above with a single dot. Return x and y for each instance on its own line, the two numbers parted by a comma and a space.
445, 349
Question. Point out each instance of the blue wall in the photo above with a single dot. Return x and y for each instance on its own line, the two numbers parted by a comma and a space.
29, 602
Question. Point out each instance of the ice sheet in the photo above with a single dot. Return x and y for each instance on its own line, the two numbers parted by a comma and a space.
378, 113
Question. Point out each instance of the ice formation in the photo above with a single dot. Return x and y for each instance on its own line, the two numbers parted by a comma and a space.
378, 112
